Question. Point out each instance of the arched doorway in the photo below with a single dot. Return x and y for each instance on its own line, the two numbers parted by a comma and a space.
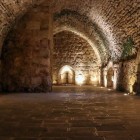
66, 75
110, 75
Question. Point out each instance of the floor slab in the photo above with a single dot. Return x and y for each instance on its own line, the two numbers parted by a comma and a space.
70, 113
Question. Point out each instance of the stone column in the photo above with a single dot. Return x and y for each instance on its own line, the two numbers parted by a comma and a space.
138, 80
105, 77
115, 77
0, 76
51, 43
136, 86
99, 77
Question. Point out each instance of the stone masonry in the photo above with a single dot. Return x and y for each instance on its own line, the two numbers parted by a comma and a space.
72, 50
107, 17
70, 113
127, 75
113, 22
26, 53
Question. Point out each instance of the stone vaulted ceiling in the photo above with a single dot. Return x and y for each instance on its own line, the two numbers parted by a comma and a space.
106, 23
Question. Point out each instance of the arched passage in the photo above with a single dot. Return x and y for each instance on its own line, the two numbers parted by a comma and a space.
109, 31
66, 75
77, 24
72, 49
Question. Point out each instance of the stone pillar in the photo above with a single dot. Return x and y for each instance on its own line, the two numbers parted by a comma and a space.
26, 61
115, 77
138, 80
0, 76
51, 44
99, 77
105, 77
136, 86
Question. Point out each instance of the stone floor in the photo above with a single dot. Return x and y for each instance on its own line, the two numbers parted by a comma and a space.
70, 113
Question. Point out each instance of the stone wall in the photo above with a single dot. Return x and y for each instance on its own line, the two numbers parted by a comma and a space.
26, 53
10, 11
137, 83
0, 76
71, 50
115, 20
74, 22
127, 75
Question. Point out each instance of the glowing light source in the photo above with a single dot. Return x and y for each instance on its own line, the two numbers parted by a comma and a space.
80, 79
66, 74
105, 81
132, 80
130, 89
66, 69
112, 78
94, 78
126, 94
54, 81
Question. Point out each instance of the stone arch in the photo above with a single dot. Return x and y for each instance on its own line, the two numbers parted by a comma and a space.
66, 75
109, 24
114, 30
85, 29
78, 53
115, 33
111, 75
92, 44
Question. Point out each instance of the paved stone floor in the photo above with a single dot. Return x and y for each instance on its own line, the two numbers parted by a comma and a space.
70, 113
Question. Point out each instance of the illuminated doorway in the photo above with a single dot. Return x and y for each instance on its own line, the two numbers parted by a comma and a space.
66, 75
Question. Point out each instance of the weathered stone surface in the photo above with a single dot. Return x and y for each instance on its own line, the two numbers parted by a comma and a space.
74, 22
26, 55
107, 17
105, 27
70, 113
127, 75
136, 85
74, 51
